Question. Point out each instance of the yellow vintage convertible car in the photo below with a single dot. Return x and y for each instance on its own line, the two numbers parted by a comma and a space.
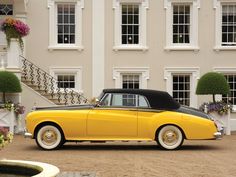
121, 115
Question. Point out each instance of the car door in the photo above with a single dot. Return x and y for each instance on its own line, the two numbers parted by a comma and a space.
116, 118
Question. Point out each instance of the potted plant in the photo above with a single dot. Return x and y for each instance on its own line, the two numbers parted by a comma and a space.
5, 136
9, 83
213, 83
14, 29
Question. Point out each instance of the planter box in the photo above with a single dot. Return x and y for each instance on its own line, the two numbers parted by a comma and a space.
7, 119
223, 121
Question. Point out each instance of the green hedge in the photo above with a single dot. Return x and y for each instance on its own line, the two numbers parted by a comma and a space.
212, 83
9, 83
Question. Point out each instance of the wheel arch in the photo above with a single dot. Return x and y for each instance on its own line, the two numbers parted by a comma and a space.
40, 125
159, 128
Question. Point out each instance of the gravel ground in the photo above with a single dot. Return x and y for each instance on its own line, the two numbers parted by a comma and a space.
194, 159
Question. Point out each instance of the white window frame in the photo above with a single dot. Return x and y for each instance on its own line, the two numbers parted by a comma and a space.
194, 73
53, 45
118, 72
194, 8
130, 74
225, 70
184, 91
143, 6
77, 71
218, 22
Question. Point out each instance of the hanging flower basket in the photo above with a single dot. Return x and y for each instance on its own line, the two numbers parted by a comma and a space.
14, 29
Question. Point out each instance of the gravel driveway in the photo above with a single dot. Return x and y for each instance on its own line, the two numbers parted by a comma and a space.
194, 159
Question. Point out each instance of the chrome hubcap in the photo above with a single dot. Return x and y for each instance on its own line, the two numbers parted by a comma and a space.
49, 137
170, 137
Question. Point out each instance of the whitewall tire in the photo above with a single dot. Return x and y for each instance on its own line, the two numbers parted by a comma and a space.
170, 137
49, 137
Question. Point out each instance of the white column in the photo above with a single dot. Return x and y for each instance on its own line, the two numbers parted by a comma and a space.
98, 46
13, 53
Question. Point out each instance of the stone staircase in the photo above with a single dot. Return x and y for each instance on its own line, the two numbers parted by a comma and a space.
47, 86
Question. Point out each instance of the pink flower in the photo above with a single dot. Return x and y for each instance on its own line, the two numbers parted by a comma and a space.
22, 28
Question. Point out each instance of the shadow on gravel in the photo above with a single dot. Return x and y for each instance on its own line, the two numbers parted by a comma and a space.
79, 147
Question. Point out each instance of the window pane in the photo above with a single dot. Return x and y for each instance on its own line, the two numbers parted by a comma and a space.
60, 29
130, 24
142, 102
136, 29
72, 38
66, 81
72, 19
136, 19
66, 39
66, 29
130, 29
181, 23
130, 81
60, 38
230, 98
124, 9
72, 29
105, 101
124, 19
136, 39
176, 19
116, 100
124, 39
136, 9
130, 19
6, 9
66, 23
228, 25
181, 89
60, 19
72, 9
130, 39
66, 18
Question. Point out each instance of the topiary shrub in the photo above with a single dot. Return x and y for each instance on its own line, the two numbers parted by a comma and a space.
9, 83
212, 83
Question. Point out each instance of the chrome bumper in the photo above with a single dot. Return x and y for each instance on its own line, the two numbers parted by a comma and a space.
27, 135
218, 135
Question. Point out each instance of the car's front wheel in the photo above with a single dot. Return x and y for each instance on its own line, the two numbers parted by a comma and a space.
170, 137
49, 137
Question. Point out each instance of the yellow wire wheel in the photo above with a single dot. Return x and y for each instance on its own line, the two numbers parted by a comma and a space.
170, 137
49, 137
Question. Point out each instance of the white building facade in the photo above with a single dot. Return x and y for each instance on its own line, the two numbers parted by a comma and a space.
90, 45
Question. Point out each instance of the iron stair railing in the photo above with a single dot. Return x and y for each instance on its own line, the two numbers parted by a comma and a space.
47, 85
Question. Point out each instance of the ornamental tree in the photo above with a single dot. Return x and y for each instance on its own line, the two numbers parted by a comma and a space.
212, 83
9, 83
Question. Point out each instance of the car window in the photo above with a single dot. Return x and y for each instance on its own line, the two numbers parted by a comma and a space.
105, 101
142, 102
117, 100
128, 100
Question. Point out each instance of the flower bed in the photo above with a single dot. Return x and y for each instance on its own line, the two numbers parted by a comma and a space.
5, 136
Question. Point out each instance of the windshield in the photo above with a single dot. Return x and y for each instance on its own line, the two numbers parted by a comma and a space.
100, 96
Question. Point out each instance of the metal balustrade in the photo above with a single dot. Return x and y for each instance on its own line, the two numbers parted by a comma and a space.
46, 85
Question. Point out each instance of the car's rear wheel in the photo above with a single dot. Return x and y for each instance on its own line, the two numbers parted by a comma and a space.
170, 137
49, 137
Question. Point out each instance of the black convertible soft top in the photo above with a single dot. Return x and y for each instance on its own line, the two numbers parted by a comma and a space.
157, 99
